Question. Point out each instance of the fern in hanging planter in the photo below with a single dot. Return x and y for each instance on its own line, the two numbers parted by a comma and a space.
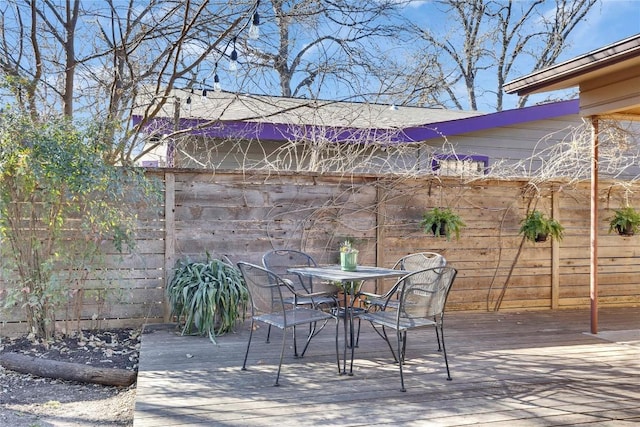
626, 221
537, 227
442, 222
207, 298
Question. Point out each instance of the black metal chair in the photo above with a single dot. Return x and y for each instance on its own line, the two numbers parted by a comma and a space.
422, 296
268, 305
411, 262
280, 261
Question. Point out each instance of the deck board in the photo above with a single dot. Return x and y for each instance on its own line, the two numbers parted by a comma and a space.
527, 368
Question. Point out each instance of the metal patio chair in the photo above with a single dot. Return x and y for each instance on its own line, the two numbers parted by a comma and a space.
422, 296
267, 293
412, 262
280, 261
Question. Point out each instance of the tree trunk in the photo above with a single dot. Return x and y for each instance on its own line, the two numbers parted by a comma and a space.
67, 371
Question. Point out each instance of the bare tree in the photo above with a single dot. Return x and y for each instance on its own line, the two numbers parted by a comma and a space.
326, 47
58, 57
93, 60
492, 41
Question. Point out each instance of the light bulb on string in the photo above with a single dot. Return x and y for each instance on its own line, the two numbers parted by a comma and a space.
233, 64
216, 80
254, 29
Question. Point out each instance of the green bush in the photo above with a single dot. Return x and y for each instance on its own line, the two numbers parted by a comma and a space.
61, 208
207, 297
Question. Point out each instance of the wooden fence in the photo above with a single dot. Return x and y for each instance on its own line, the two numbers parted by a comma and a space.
242, 215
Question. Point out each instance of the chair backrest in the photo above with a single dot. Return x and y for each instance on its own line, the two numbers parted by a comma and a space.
423, 293
265, 289
420, 261
280, 260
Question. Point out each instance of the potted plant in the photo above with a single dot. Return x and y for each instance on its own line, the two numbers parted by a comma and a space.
625, 221
442, 222
348, 256
207, 297
537, 227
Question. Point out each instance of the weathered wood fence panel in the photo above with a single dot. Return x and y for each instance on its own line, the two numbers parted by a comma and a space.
243, 215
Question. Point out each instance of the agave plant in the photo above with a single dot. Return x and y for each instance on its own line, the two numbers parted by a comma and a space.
207, 297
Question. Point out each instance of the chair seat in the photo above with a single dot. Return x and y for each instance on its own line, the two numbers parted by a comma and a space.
293, 317
389, 320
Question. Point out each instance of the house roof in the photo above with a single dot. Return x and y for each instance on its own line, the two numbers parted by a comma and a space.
224, 115
231, 107
597, 63
494, 120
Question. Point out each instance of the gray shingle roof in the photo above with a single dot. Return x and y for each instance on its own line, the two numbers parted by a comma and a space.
227, 106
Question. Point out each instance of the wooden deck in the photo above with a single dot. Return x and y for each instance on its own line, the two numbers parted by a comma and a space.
509, 369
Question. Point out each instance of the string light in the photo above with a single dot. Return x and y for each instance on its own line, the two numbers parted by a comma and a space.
233, 64
254, 29
216, 80
253, 33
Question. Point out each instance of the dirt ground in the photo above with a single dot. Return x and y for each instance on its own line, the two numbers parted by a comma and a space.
30, 401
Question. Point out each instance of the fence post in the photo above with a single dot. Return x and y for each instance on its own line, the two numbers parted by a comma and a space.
169, 235
555, 252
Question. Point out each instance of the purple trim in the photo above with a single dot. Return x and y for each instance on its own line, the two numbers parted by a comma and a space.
284, 132
270, 131
493, 120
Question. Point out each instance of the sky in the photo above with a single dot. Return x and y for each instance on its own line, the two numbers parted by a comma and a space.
613, 21
606, 23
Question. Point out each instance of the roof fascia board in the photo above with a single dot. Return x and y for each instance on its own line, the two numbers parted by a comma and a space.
280, 132
551, 78
494, 120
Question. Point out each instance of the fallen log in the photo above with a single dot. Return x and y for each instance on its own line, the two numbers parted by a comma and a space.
66, 370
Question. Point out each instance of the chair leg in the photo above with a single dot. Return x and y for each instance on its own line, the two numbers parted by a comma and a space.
401, 339
444, 351
268, 333
246, 355
337, 348
437, 334
386, 338
404, 347
312, 333
284, 343
295, 343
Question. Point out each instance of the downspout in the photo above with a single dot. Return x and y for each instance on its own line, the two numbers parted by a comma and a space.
593, 276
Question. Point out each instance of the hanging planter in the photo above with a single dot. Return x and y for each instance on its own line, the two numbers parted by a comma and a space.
538, 228
625, 221
442, 222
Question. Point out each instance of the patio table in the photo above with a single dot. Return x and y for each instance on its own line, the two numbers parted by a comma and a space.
349, 281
